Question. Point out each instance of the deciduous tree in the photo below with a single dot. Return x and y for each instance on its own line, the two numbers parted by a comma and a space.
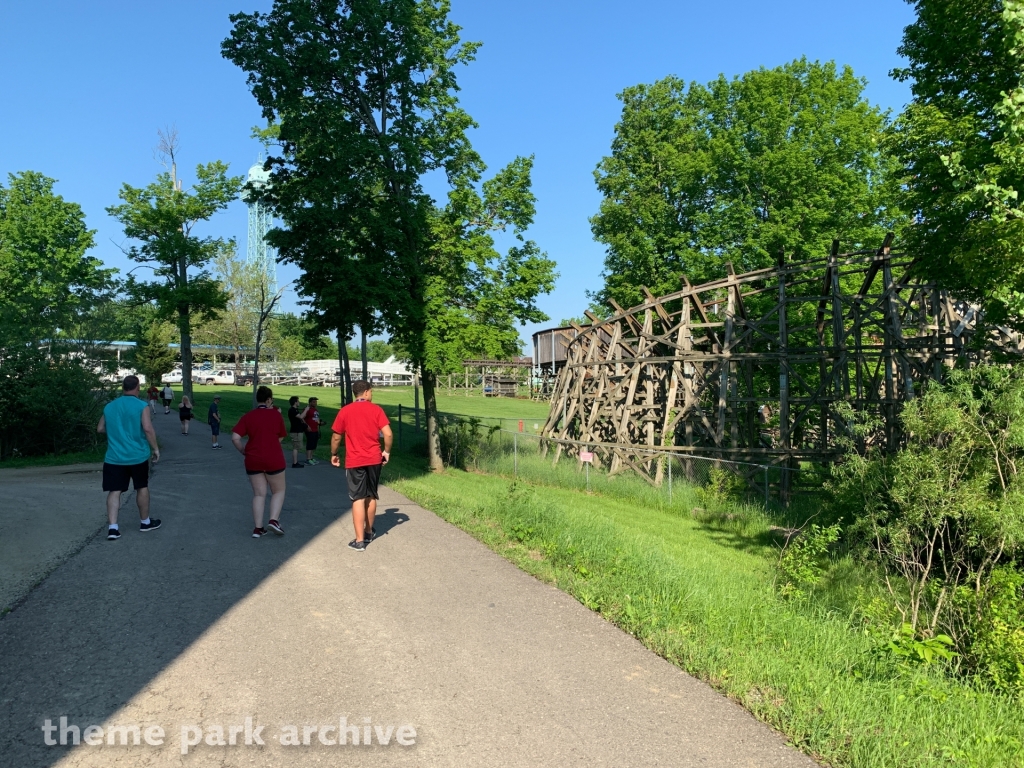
47, 279
477, 296
234, 325
365, 94
961, 146
737, 170
160, 218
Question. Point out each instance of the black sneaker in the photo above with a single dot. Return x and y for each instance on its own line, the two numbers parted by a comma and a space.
259, 532
151, 526
276, 527
358, 546
113, 534
368, 537
297, 466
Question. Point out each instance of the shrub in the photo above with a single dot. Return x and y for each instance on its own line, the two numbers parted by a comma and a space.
47, 405
997, 650
803, 559
461, 440
945, 513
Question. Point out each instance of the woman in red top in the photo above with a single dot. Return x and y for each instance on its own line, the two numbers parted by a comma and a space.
264, 459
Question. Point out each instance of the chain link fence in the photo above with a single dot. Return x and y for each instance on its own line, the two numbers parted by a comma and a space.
490, 445
514, 446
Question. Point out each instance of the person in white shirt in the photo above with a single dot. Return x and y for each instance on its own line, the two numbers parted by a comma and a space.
168, 396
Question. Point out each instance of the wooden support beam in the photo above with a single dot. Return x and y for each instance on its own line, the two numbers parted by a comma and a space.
669, 371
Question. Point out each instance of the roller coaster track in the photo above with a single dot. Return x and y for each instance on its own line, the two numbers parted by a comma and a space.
773, 366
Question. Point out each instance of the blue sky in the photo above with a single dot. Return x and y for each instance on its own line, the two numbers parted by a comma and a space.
85, 87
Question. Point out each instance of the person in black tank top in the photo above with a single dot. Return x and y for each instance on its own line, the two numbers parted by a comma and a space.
185, 414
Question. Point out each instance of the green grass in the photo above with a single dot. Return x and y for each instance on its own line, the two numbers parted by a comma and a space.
237, 400
52, 460
700, 593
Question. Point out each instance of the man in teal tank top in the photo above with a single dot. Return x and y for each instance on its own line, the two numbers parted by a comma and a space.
130, 439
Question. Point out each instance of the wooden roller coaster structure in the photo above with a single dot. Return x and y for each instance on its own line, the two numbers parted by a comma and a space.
768, 367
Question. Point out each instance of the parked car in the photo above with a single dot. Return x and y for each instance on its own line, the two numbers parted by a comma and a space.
218, 377
118, 376
199, 376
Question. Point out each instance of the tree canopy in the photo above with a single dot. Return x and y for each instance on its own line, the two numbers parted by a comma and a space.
477, 296
961, 147
160, 218
738, 170
363, 93
365, 97
47, 278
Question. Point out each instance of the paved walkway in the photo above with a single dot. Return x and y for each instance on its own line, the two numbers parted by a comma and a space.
198, 625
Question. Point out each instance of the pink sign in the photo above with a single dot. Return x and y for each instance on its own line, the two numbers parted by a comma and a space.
587, 456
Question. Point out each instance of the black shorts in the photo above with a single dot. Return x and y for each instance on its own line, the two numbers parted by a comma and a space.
116, 476
312, 439
167, 402
264, 472
215, 428
363, 482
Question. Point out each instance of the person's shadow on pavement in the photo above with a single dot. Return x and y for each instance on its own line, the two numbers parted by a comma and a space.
388, 519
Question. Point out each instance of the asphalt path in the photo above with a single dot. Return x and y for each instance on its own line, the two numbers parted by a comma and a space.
441, 651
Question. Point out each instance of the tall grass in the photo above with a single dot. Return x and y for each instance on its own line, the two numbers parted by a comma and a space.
699, 591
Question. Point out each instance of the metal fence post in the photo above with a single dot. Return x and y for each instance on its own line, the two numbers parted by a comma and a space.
766, 496
669, 479
399, 425
515, 454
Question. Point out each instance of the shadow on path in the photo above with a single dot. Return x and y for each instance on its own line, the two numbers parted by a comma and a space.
106, 622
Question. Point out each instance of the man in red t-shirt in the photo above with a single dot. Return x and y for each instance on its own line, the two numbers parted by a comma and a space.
362, 423
312, 420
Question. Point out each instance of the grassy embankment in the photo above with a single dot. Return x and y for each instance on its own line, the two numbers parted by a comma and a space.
700, 593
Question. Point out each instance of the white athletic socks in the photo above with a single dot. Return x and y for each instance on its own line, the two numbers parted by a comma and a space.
112, 527
145, 522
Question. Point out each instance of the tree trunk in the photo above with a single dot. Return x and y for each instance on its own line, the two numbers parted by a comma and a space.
362, 350
341, 369
256, 363
237, 347
429, 382
346, 370
185, 329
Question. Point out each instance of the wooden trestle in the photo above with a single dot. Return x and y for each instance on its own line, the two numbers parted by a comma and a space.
756, 367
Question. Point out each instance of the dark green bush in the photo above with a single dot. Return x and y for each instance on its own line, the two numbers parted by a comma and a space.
997, 650
461, 440
944, 518
47, 405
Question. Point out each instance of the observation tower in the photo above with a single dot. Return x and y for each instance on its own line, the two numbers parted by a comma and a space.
260, 221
